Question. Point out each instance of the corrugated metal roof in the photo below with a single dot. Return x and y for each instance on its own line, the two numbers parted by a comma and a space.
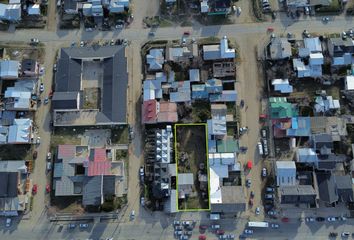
9, 69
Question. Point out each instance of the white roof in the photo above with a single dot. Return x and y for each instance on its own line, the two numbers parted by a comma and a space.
204, 7
285, 164
349, 82
214, 186
225, 51
34, 9
20, 132
282, 85
316, 58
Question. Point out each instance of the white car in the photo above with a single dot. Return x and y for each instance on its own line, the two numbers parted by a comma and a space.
345, 234
8, 222
142, 201
331, 219
141, 171
264, 172
41, 87
132, 215
258, 210
274, 225
309, 219
248, 231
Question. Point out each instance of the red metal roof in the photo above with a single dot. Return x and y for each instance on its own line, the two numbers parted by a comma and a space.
149, 111
99, 168
99, 155
66, 151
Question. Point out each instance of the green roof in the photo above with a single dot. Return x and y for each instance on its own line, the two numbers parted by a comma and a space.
229, 145
283, 110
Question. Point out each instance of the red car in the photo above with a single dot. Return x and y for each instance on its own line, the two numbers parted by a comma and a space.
203, 227
250, 202
34, 189
202, 237
270, 29
219, 232
47, 188
186, 33
285, 219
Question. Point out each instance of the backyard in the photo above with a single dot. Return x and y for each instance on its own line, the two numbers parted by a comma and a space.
191, 157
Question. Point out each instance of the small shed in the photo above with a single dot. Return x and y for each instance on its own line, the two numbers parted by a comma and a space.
34, 9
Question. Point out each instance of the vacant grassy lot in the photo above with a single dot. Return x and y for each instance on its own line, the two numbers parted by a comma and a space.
120, 135
16, 152
66, 136
191, 150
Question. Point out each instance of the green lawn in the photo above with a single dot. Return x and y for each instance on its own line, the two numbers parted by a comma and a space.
120, 135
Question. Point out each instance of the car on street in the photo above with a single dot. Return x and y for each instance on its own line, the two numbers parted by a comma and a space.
49, 156
243, 149
250, 202
184, 237
252, 194
272, 213
331, 219
189, 233
71, 225
8, 222
202, 237
345, 234
306, 34
285, 219
248, 231
320, 219
183, 41
342, 218
269, 189
325, 19
238, 11
333, 234
38, 140
258, 211
176, 223
219, 232
41, 88
178, 228
309, 219
178, 233
83, 225
215, 226
186, 33
34, 155
274, 225
141, 171
47, 188
151, 34
269, 196
49, 166
248, 183
188, 223
264, 172
34, 189
132, 215
142, 201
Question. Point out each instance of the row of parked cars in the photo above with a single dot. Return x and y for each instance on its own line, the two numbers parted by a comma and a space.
263, 144
266, 6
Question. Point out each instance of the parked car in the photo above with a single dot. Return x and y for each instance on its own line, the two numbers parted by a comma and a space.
230, 236
178, 233
8, 222
333, 234
342, 218
176, 223
49, 156
269, 196
248, 231
270, 189
202, 237
325, 19
248, 183
34, 189
215, 226
320, 219
250, 202
186, 33
309, 219
71, 225
252, 194
264, 172
47, 188
258, 210
49, 166
34, 155
151, 34
345, 234
184, 237
272, 213
41, 88
142, 201
260, 148
331, 219
219, 232
264, 133
38, 140
179, 228
274, 225
141, 171
83, 225
132, 215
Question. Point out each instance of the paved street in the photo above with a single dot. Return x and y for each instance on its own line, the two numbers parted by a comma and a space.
156, 225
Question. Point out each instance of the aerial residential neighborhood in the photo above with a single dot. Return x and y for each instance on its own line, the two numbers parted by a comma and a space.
175, 119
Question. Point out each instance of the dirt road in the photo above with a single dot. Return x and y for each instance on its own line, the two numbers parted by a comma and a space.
52, 16
143, 8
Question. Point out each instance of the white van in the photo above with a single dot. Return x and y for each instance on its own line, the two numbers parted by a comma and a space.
260, 148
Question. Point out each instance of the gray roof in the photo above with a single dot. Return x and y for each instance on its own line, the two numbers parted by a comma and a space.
344, 188
115, 78
65, 100
185, 179
233, 200
12, 166
92, 189
297, 190
8, 184
327, 187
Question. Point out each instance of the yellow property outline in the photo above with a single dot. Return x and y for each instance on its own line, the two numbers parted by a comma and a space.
207, 164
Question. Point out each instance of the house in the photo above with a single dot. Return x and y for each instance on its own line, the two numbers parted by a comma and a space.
66, 100
349, 83
29, 67
13, 175
180, 54
326, 187
219, 51
185, 185
79, 71
225, 96
159, 112
194, 75
280, 108
338, 48
213, 86
199, 92
344, 187
118, 6
88, 172
335, 126
324, 104
163, 145
155, 59
313, 44
152, 90
297, 194
316, 59
300, 127
181, 92
10, 12
303, 70
34, 9
223, 69
20, 131
279, 48
70, 7
217, 127
296, 3
219, 7
285, 172
9, 69
322, 143
306, 155
19, 97
282, 85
